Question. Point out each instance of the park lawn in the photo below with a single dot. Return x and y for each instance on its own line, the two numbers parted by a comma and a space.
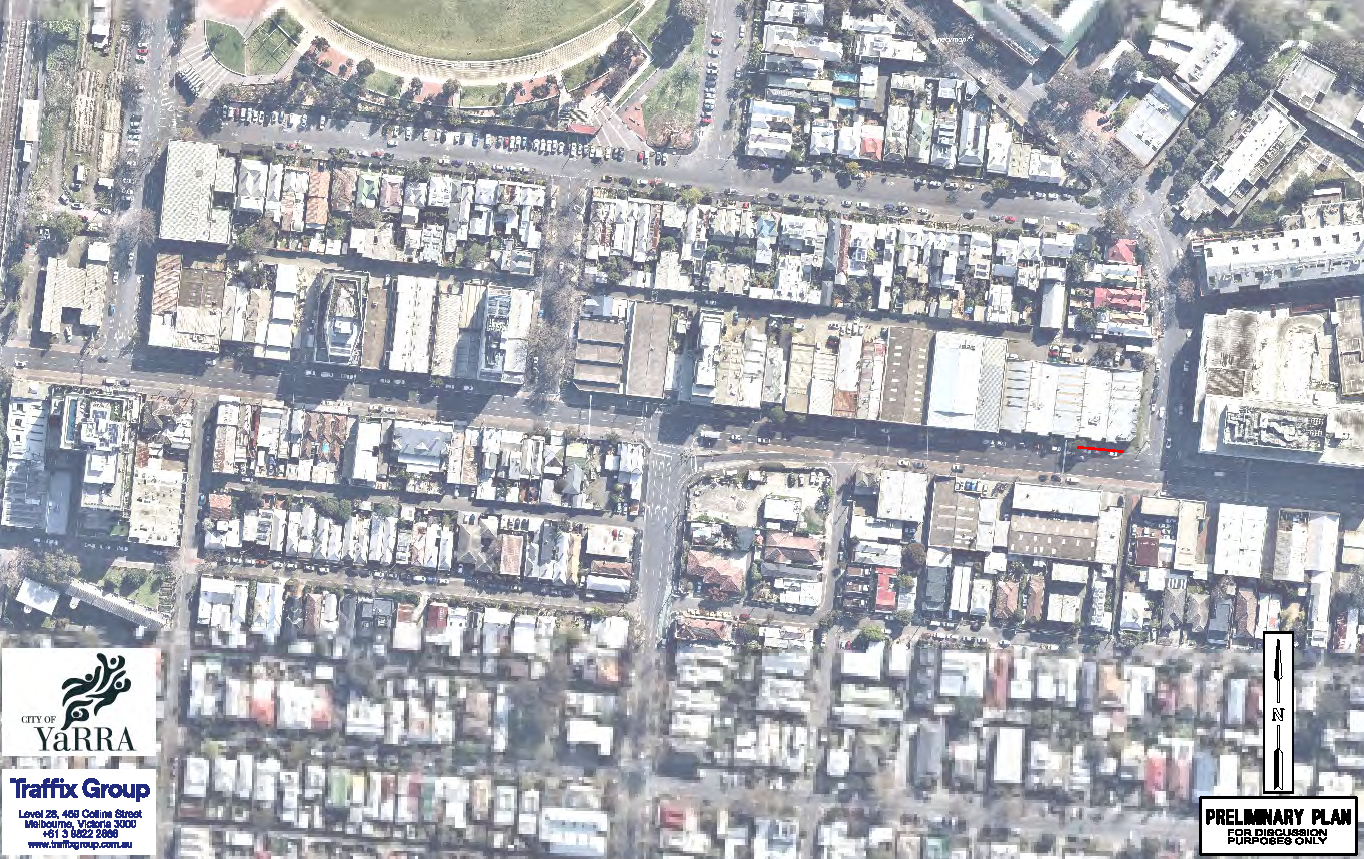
575, 76
384, 83
271, 44
649, 25
147, 593
482, 96
677, 95
227, 46
471, 29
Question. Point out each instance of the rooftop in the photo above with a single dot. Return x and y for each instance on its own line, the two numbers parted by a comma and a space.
190, 171
1265, 388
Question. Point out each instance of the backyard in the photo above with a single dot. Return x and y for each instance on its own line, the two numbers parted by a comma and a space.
471, 29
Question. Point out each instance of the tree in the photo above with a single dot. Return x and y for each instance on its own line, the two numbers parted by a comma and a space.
1343, 53
449, 88
869, 633
364, 217
415, 84
1125, 66
1262, 24
320, 45
364, 69
56, 567
691, 10
1115, 223
132, 580
336, 510
256, 238
130, 89
475, 253
690, 196
1352, 589
251, 497
1299, 192
417, 172
776, 414
139, 225
16, 273
1105, 354
65, 226
915, 555
1070, 92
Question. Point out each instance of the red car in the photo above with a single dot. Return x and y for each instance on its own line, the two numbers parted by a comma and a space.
705, 120
1009, 219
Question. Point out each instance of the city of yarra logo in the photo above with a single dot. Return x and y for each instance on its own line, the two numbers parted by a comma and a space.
86, 696
61, 701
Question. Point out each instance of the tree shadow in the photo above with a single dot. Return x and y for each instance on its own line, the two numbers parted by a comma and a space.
672, 40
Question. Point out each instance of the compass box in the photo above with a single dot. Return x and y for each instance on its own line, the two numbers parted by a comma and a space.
1278, 825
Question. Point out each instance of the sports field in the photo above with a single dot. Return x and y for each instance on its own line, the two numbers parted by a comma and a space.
471, 29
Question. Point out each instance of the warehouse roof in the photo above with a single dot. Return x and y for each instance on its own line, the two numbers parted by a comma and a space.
190, 170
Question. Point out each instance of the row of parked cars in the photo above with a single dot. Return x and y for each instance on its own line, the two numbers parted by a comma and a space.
249, 115
478, 140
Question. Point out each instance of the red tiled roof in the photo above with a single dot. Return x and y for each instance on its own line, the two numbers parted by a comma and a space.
1123, 251
1119, 299
885, 592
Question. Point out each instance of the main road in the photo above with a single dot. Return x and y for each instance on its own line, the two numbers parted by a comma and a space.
701, 171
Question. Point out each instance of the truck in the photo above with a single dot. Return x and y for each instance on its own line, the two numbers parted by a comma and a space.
708, 436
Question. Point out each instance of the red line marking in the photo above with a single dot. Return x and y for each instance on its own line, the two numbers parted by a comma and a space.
1101, 449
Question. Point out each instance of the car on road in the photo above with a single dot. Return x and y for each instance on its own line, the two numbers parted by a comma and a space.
1010, 219
958, 468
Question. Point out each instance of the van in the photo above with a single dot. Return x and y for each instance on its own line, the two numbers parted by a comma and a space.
1162, 413
1219, 474
1031, 223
